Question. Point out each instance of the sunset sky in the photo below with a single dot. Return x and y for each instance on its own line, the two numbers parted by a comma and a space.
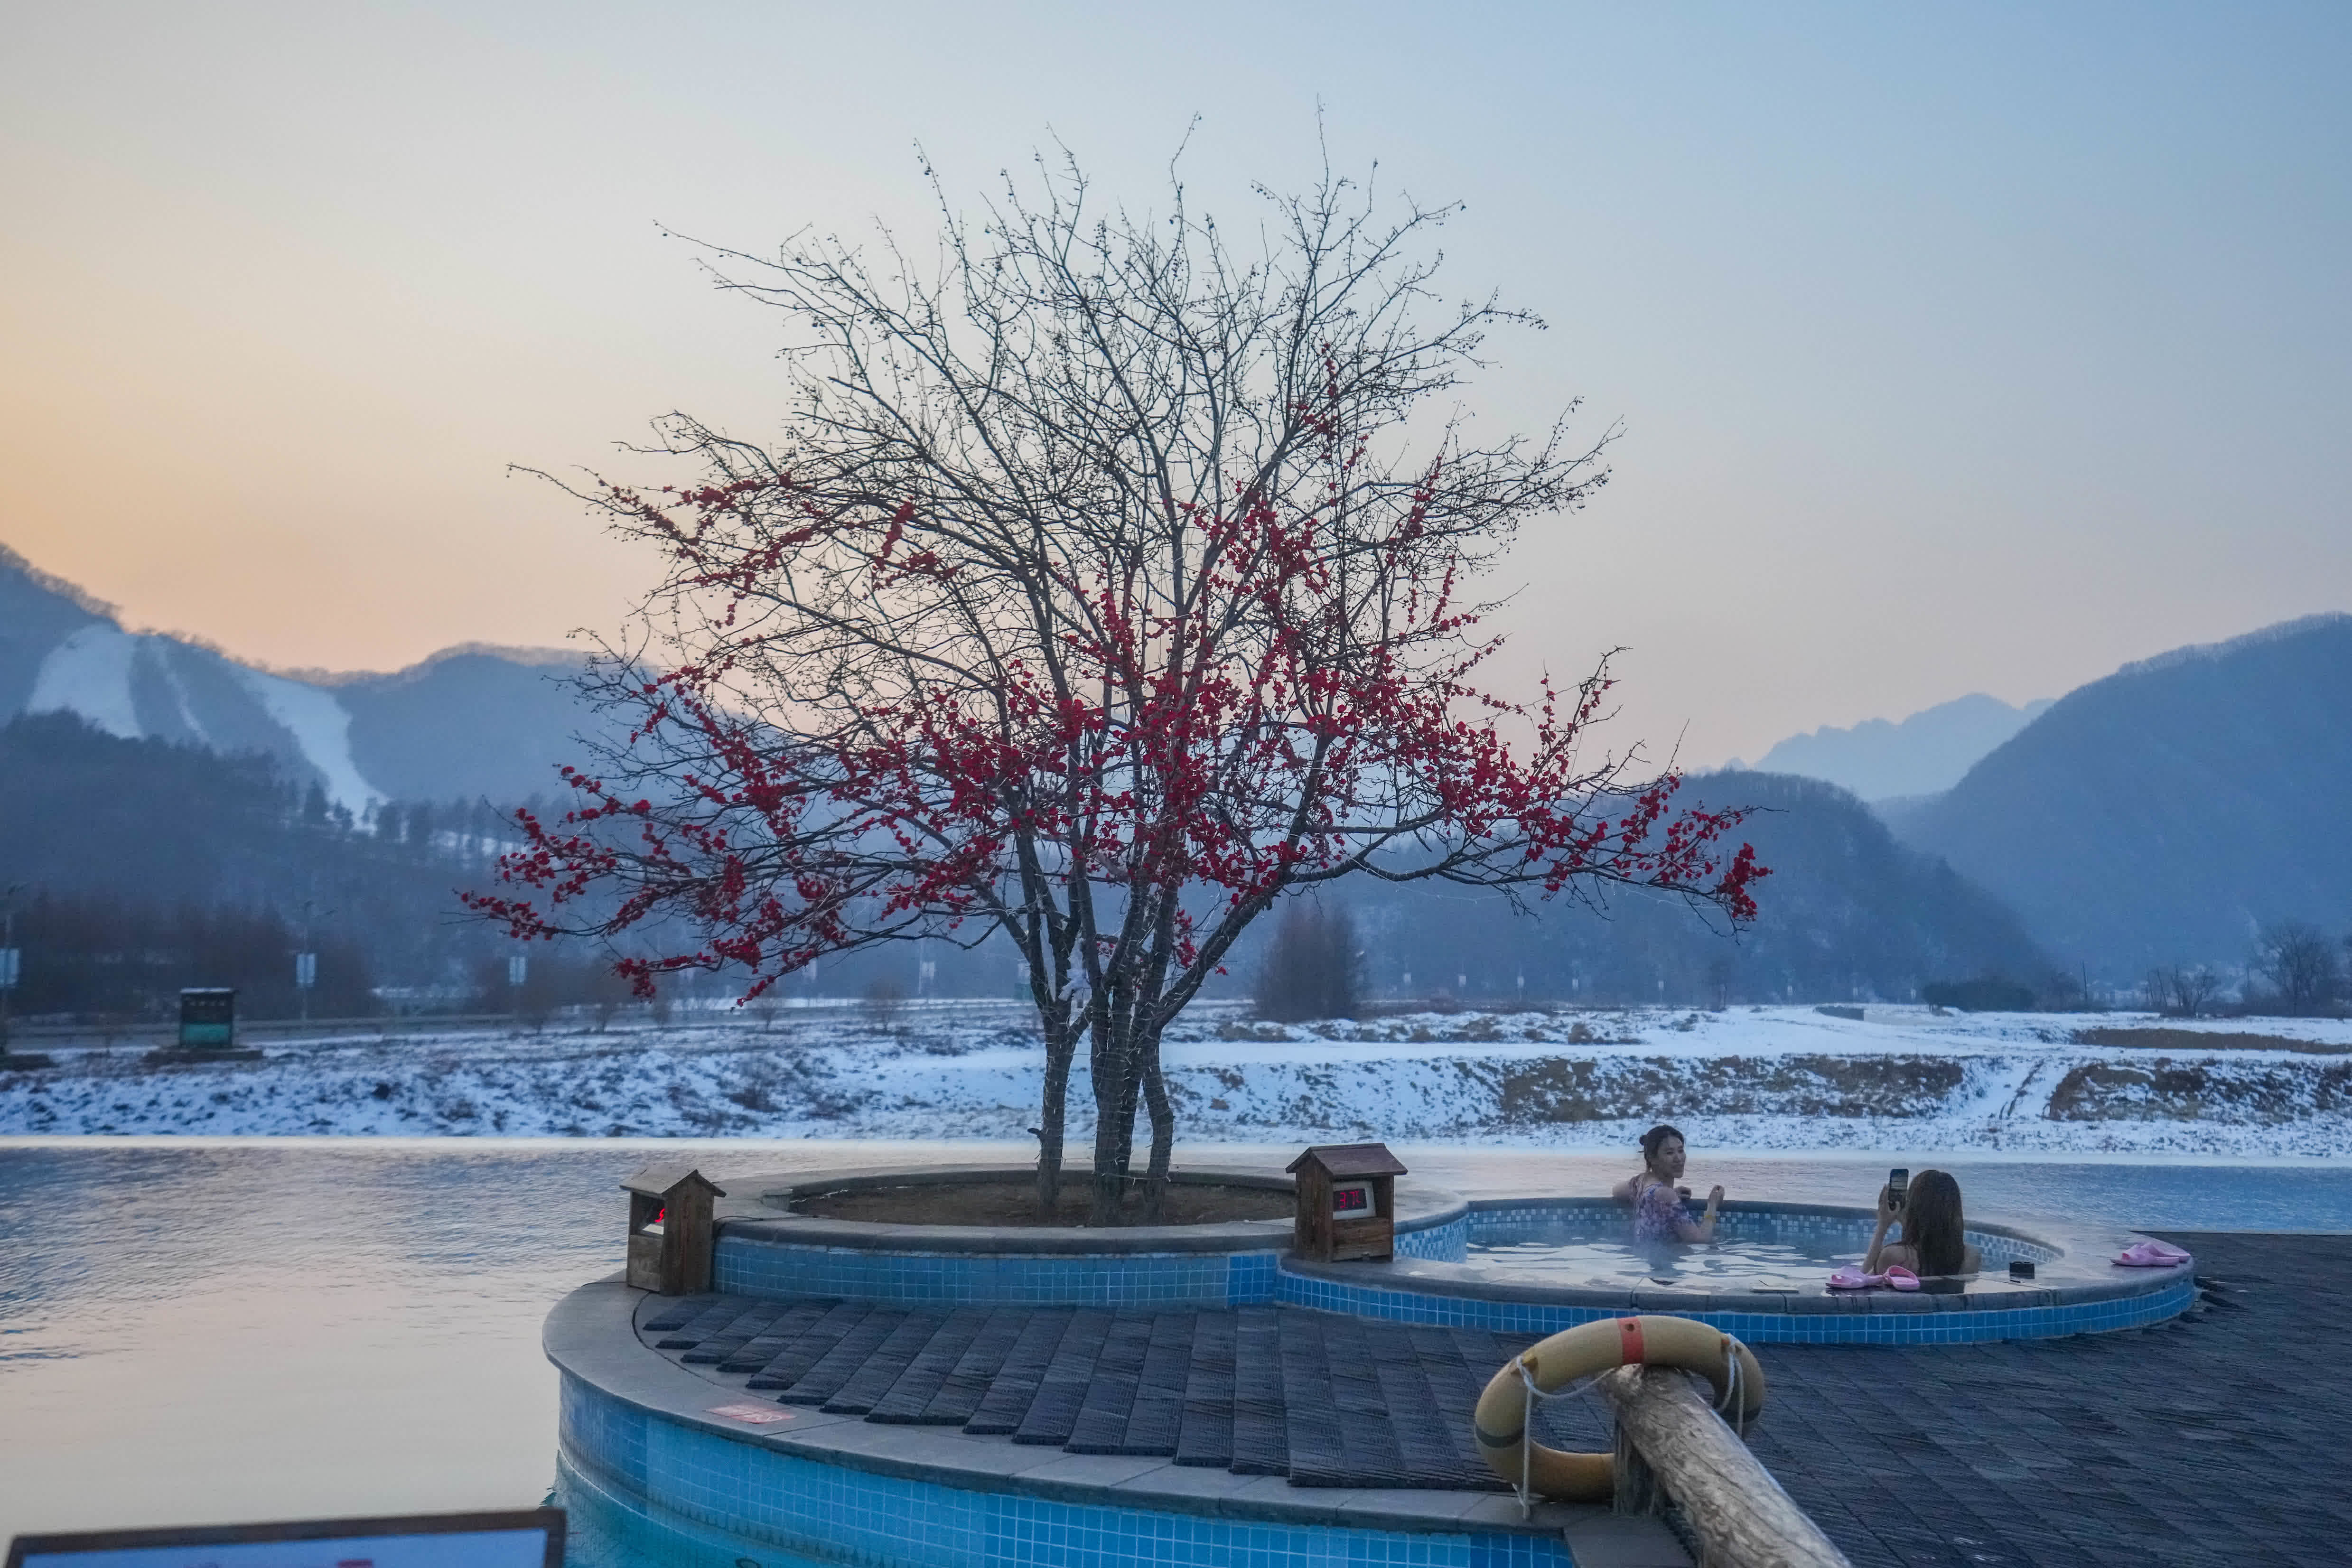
1954, 349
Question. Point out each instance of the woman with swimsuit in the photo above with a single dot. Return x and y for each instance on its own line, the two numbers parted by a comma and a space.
1935, 1241
1658, 1213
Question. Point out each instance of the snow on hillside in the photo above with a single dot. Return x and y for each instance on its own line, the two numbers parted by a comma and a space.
322, 726
98, 673
1771, 1079
90, 673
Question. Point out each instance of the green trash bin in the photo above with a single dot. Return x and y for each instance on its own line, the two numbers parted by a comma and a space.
207, 1017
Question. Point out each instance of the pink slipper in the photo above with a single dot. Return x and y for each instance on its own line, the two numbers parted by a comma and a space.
1849, 1277
2150, 1255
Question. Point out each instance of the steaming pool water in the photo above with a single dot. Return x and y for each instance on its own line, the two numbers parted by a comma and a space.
1576, 1259
1590, 1244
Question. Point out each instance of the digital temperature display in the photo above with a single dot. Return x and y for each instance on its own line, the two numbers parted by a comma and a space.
1356, 1198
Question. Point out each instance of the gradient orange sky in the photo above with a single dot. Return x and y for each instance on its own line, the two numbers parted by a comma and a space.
1953, 352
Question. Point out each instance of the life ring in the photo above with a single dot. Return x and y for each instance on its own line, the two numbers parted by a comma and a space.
1582, 1350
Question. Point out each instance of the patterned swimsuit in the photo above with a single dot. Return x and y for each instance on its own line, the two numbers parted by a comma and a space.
1657, 1209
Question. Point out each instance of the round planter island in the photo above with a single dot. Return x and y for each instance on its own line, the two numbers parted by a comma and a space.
766, 1248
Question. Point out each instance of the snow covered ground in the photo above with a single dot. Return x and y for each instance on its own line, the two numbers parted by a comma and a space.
1756, 1078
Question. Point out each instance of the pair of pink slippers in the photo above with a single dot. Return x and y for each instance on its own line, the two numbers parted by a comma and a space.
1849, 1277
2150, 1255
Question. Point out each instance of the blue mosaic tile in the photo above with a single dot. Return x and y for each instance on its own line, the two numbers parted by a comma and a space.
1758, 1328
757, 1267
713, 1493
1447, 1243
1495, 1223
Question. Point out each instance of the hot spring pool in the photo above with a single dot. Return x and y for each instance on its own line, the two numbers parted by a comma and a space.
1757, 1246
1535, 1266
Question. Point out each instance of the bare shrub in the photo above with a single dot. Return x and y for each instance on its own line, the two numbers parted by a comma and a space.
2181, 990
885, 999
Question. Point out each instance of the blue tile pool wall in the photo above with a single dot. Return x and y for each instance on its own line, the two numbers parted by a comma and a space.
1446, 1243
753, 1267
756, 1267
1873, 1320
1592, 1218
699, 1489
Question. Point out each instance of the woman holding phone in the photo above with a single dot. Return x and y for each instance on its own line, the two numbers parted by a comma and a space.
1658, 1213
1933, 1239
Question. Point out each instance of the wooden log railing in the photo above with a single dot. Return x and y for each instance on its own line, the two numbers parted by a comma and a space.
1671, 1446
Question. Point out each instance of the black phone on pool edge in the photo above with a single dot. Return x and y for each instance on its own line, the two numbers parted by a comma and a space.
1898, 1181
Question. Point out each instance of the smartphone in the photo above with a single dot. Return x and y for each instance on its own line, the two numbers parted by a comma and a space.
1898, 1181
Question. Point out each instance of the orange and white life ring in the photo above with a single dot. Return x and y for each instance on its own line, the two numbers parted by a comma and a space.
1501, 1418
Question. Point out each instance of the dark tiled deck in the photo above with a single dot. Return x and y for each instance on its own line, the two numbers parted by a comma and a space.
1326, 1401
2219, 1437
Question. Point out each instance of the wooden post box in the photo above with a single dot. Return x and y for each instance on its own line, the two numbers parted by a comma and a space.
1347, 1201
669, 1229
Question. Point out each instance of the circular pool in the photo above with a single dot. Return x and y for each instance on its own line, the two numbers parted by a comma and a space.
1542, 1265
1766, 1246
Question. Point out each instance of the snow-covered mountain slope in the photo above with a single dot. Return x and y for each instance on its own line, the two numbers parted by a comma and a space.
139, 686
1770, 1078
468, 723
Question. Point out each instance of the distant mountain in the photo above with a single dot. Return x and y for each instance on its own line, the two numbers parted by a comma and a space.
1923, 754
1848, 913
2165, 812
466, 723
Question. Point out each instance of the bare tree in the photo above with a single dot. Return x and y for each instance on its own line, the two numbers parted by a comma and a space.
1107, 583
1312, 968
2181, 990
2299, 964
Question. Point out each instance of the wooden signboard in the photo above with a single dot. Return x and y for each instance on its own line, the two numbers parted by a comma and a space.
1346, 1203
669, 1229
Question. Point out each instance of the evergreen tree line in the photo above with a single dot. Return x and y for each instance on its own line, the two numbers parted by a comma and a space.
133, 867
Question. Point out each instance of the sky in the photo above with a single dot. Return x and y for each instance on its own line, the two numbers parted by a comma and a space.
1953, 350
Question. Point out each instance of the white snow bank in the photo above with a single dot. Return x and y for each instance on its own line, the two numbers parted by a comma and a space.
1770, 1079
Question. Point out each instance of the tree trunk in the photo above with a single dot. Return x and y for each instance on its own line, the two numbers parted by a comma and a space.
1163, 1132
1060, 1048
1735, 1509
1113, 1070
1130, 1095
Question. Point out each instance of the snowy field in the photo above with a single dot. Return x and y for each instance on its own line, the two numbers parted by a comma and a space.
1788, 1078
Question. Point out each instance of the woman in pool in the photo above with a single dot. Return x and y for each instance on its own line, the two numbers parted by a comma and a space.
1932, 1241
1657, 1203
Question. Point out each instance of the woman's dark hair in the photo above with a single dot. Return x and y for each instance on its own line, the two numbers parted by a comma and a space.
1931, 1222
1655, 1139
